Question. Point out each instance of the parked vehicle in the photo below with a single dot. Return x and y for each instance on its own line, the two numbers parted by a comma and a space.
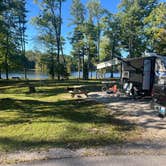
146, 74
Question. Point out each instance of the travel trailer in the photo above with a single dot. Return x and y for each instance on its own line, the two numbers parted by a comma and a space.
144, 72
146, 76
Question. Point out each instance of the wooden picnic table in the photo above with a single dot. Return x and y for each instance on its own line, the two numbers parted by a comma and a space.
78, 89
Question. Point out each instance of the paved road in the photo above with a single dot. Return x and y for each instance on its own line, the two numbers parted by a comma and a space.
143, 160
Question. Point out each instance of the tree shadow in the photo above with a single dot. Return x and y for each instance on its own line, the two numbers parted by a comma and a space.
56, 87
70, 110
139, 111
76, 112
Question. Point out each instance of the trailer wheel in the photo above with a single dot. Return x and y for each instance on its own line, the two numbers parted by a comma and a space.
104, 88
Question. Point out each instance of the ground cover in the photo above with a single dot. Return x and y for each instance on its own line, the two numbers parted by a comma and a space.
51, 118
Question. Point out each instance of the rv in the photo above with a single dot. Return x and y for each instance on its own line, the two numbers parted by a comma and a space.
145, 73
146, 76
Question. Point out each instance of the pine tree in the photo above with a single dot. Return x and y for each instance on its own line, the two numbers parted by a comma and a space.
50, 21
132, 14
77, 39
11, 39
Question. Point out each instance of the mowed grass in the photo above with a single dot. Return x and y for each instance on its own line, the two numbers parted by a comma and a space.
51, 118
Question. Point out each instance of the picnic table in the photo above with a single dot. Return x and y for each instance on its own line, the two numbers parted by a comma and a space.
77, 90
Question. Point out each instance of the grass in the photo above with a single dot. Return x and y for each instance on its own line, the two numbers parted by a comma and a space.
51, 118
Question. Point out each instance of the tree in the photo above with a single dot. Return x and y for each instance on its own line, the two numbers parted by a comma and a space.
90, 47
12, 19
156, 29
77, 39
20, 30
112, 31
49, 21
95, 14
132, 14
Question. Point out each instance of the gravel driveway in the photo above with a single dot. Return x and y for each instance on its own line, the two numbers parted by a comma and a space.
138, 112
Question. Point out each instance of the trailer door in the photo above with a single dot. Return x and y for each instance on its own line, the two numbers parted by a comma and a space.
146, 74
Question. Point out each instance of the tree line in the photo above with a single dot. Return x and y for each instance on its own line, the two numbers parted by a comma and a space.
12, 36
97, 34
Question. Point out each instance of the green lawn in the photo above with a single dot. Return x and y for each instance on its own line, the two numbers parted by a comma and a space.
51, 118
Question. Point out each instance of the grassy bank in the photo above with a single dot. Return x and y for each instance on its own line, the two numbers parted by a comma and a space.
51, 118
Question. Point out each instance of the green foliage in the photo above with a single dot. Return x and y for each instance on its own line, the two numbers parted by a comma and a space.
156, 29
86, 35
132, 14
77, 12
95, 10
49, 22
110, 46
12, 34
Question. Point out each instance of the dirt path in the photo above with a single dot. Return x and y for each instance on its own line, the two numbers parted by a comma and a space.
138, 112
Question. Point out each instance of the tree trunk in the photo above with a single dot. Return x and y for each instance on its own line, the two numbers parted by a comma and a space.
64, 61
6, 67
59, 37
53, 67
25, 73
98, 40
112, 67
98, 43
83, 64
112, 57
91, 73
0, 73
96, 74
79, 68
88, 65
58, 60
6, 57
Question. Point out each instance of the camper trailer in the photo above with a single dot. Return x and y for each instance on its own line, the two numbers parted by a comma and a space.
148, 75
143, 76
144, 73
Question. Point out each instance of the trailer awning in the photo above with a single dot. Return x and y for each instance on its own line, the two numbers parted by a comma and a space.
107, 64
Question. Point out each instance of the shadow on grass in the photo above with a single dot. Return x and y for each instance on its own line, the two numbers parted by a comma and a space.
14, 83
56, 87
71, 110
14, 144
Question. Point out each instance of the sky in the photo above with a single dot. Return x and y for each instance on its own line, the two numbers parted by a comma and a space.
33, 10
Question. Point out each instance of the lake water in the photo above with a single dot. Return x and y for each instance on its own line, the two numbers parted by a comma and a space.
42, 76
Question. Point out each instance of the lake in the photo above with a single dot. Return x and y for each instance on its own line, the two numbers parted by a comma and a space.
32, 75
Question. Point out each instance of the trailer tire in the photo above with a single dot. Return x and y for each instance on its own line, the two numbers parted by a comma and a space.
104, 88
